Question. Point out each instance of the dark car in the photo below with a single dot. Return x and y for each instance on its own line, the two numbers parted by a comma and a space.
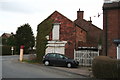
59, 60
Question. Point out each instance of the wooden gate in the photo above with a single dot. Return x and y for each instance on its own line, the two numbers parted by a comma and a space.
85, 57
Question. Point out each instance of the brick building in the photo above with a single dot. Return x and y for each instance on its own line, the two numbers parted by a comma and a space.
94, 34
111, 27
6, 35
67, 35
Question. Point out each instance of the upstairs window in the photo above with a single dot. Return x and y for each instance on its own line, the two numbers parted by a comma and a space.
56, 31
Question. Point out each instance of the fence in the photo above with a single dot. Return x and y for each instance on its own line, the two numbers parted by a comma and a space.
85, 57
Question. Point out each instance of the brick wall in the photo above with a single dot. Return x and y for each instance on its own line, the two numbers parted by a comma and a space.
111, 26
80, 36
94, 34
68, 32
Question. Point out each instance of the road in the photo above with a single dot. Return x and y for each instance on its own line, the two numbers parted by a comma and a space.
12, 68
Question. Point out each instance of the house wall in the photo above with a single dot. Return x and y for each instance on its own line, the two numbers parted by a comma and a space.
111, 26
67, 33
80, 35
94, 34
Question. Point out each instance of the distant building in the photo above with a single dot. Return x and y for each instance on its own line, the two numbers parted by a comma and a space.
68, 35
94, 34
6, 35
111, 28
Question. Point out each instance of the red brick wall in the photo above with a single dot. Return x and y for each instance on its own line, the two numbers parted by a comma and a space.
111, 26
119, 23
93, 32
68, 32
80, 35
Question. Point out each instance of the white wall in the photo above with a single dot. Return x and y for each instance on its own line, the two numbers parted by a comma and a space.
60, 50
56, 47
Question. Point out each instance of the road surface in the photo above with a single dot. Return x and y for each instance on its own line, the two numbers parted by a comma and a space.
12, 68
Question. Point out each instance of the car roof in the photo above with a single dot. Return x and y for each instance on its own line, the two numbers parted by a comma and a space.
53, 53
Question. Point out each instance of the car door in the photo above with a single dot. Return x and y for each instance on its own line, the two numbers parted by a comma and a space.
61, 61
52, 58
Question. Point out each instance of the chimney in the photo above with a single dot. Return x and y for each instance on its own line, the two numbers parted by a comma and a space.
80, 14
90, 21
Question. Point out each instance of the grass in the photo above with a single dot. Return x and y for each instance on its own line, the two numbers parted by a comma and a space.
32, 61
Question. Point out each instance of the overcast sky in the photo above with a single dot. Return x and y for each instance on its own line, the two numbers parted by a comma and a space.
14, 13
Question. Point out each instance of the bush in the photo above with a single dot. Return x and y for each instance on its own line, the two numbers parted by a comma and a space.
6, 50
105, 67
44, 30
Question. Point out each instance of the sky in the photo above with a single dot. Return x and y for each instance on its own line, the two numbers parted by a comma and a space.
14, 13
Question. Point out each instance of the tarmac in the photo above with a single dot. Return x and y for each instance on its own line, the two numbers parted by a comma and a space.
84, 71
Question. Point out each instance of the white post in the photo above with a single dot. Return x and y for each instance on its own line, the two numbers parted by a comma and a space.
118, 51
74, 54
12, 48
21, 53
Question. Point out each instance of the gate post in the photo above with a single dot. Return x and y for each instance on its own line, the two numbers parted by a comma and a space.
117, 42
74, 54
118, 51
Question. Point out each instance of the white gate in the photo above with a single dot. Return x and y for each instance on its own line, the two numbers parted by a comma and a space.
85, 57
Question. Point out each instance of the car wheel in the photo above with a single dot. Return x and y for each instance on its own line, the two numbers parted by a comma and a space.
69, 65
47, 63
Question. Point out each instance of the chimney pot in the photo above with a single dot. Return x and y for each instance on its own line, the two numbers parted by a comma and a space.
80, 14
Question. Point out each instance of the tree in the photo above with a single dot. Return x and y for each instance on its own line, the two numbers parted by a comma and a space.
11, 41
24, 36
43, 30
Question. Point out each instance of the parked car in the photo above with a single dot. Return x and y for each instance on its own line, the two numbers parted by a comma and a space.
59, 60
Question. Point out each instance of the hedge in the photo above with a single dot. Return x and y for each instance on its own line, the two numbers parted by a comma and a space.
6, 50
105, 67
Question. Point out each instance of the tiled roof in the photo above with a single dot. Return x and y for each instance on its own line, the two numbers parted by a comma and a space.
113, 5
83, 44
7, 35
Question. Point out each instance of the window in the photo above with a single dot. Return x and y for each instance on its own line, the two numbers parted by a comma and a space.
55, 32
52, 55
60, 56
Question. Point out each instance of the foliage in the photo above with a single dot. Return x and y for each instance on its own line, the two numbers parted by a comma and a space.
0, 40
11, 41
105, 67
43, 30
4, 41
31, 61
6, 50
24, 36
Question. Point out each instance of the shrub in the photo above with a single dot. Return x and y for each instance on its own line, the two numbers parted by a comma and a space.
118, 67
44, 30
105, 67
6, 50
